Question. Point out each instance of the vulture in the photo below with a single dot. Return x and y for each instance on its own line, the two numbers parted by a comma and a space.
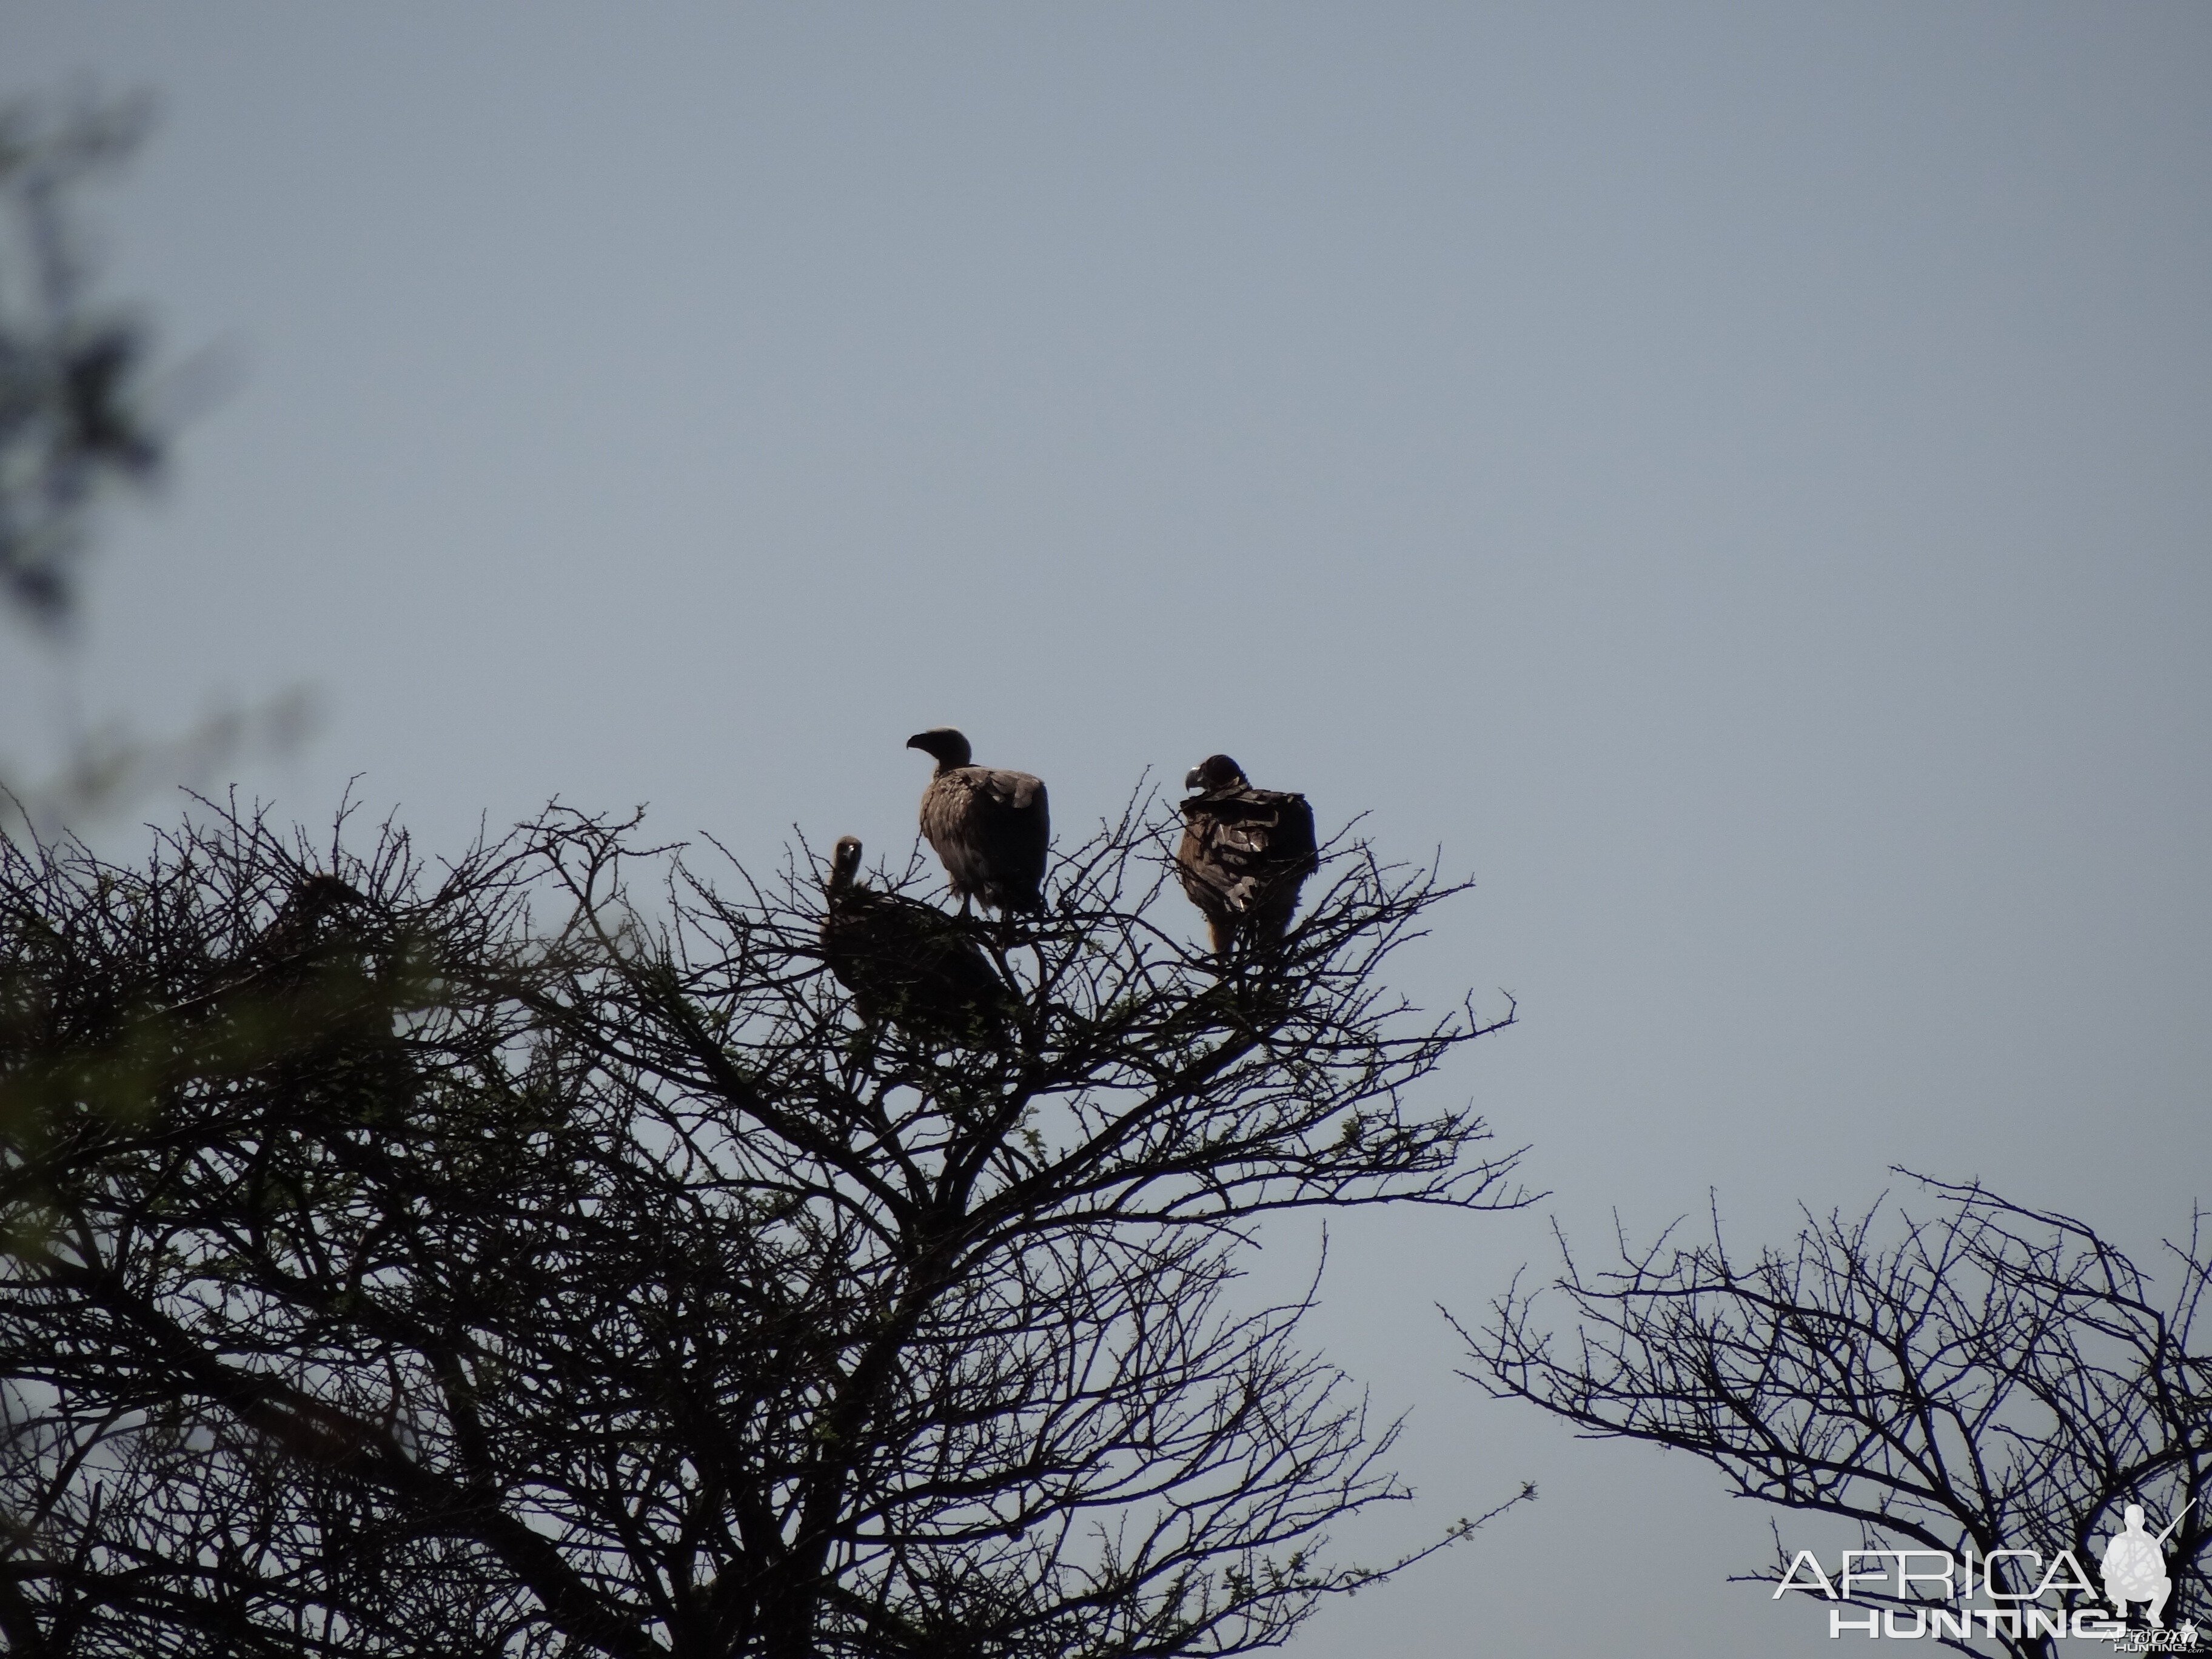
1244, 854
990, 828
319, 1004
315, 924
908, 962
312, 937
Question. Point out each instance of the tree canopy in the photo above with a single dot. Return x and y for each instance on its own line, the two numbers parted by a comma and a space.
536, 1255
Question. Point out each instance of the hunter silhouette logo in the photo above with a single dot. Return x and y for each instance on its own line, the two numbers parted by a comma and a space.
1935, 1590
2135, 1566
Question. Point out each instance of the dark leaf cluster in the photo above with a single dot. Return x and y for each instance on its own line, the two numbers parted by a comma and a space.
73, 409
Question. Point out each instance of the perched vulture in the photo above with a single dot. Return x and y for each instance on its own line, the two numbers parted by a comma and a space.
319, 1004
908, 962
1244, 854
990, 828
313, 926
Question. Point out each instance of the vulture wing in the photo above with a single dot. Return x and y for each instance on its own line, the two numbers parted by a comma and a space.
991, 830
1244, 854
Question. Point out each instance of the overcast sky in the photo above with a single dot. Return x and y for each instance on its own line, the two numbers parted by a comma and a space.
1735, 478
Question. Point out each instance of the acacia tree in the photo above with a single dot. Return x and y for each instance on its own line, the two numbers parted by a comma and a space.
396, 1271
1996, 1378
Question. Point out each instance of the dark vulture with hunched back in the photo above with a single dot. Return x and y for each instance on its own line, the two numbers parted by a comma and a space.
1244, 854
317, 999
318, 919
907, 962
317, 942
990, 828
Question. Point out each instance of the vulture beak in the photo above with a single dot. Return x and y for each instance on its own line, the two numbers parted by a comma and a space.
919, 740
1190, 778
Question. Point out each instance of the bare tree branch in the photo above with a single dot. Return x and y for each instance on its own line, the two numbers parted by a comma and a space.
1996, 1377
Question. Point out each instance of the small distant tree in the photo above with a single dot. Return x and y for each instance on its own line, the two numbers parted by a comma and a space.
1994, 1377
508, 1259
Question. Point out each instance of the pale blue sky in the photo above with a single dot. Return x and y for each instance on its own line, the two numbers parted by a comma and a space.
1736, 477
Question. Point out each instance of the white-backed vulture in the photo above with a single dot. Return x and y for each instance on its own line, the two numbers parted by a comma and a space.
990, 828
1244, 854
908, 962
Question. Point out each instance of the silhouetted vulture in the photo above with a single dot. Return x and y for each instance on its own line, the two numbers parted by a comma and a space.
1244, 854
314, 924
908, 962
321, 1004
990, 828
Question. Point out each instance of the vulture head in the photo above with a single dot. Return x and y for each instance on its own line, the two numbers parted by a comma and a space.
1215, 772
950, 748
844, 863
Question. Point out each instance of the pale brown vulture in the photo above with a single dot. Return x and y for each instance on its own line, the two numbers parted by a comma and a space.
990, 828
908, 962
1244, 854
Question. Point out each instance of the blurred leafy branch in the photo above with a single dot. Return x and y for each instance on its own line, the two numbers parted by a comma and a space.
74, 412
82, 419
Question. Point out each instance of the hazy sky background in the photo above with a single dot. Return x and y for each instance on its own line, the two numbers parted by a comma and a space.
1736, 478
